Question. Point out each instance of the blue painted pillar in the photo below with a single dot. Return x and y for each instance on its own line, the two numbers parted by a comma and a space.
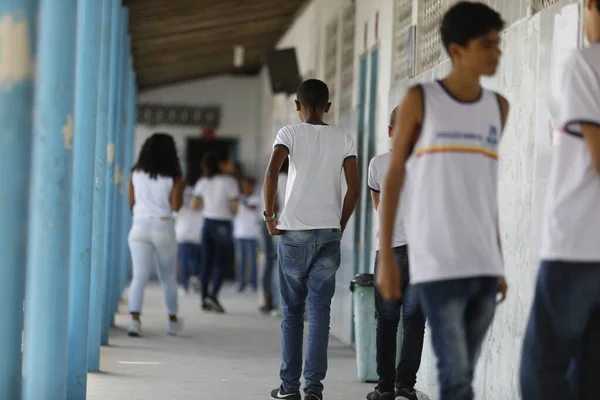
16, 103
47, 298
116, 52
89, 21
98, 212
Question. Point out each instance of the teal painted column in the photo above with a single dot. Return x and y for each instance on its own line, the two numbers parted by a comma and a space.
89, 21
98, 212
47, 298
16, 104
115, 63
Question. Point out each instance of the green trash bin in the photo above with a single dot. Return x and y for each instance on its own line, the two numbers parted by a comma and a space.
365, 327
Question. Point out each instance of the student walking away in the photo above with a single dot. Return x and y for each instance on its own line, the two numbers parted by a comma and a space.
396, 382
451, 130
188, 226
311, 225
245, 232
155, 191
564, 324
216, 194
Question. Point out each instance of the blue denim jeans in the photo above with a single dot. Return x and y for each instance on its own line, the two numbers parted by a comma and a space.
217, 245
308, 261
189, 262
246, 258
413, 323
459, 312
561, 351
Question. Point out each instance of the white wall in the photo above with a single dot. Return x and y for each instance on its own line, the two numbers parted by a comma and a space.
240, 99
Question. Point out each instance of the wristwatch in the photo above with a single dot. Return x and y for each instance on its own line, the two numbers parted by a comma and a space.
267, 218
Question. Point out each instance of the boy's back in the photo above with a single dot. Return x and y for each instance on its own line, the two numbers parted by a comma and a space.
313, 197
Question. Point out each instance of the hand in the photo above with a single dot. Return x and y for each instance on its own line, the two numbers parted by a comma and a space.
272, 227
388, 277
502, 289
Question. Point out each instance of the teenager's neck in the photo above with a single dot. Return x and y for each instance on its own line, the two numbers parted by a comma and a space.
314, 119
463, 85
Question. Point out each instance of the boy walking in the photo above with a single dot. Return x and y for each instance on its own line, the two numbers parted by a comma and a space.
311, 226
452, 129
396, 383
564, 324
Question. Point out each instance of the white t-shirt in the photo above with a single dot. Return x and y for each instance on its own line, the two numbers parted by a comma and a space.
245, 225
152, 196
188, 222
313, 198
378, 168
217, 193
571, 227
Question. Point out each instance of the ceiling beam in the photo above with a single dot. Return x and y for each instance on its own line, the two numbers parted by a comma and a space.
168, 66
193, 52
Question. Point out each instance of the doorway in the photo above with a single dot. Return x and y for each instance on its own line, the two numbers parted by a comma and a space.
197, 148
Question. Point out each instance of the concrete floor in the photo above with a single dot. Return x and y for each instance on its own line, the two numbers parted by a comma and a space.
218, 357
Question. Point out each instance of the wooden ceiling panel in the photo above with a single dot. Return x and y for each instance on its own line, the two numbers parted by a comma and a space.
179, 40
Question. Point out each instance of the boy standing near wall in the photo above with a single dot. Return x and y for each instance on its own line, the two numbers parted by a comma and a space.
311, 226
564, 325
451, 130
396, 382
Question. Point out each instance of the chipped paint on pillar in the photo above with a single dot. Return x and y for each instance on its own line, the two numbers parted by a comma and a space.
67, 132
16, 55
110, 153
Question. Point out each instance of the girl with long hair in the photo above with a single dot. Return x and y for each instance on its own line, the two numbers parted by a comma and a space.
216, 193
155, 191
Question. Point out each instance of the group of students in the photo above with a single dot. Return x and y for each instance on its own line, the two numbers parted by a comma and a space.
439, 254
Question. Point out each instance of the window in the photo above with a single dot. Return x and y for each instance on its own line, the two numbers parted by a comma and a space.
347, 67
400, 53
331, 58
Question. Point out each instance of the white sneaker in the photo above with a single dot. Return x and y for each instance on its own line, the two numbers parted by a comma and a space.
135, 328
175, 327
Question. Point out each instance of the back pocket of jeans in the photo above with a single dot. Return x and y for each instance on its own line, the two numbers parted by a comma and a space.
293, 258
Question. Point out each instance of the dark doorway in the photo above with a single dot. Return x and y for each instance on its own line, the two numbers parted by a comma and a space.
197, 148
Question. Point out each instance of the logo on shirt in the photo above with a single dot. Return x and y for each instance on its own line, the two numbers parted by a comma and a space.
493, 135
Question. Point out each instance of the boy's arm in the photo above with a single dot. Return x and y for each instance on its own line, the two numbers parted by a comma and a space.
406, 133
374, 185
353, 191
504, 108
278, 156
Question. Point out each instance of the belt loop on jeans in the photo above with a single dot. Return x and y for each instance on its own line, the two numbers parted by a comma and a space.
164, 218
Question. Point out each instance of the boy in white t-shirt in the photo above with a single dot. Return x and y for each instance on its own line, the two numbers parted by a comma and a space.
396, 382
563, 332
188, 226
245, 233
310, 225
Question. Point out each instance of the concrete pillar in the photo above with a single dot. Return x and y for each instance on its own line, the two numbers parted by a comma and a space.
98, 212
89, 22
115, 63
17, 38
47, 298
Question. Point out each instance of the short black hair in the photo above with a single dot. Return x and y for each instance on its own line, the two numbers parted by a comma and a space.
158, 157
393, 116
598, 5
313, 94
466, 21
211, 163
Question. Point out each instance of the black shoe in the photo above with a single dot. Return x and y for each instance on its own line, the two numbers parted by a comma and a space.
214, 304
280, 393
406, 394
205, 306
377, 395
313, 396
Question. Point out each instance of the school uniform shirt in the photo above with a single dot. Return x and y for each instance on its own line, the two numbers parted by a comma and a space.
152, 195
217, 193
188, 222
453, 217
571, 224
313, 198
245, 224
378, 168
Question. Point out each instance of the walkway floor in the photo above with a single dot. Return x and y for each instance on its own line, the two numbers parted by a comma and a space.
218, 357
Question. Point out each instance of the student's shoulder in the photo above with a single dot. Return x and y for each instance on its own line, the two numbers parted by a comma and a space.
379, 160
584, 59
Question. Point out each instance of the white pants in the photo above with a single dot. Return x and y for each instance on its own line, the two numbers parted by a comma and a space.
152, 241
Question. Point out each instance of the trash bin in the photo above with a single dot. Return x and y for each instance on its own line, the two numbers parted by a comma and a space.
365, 327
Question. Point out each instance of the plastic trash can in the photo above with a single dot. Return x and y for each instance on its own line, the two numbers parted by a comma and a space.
365, 327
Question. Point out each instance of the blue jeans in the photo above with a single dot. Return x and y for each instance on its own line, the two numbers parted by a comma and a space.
217, 242
459, 312
413, 323
267, 278
246, 257
189, 262
561, 351
308, 261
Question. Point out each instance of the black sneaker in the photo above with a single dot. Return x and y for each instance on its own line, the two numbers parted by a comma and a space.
377, 395
214, 304
280, 393
406, 394
205, 306
313, 396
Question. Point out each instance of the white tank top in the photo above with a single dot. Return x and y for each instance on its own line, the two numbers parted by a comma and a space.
452, 228
152, 196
